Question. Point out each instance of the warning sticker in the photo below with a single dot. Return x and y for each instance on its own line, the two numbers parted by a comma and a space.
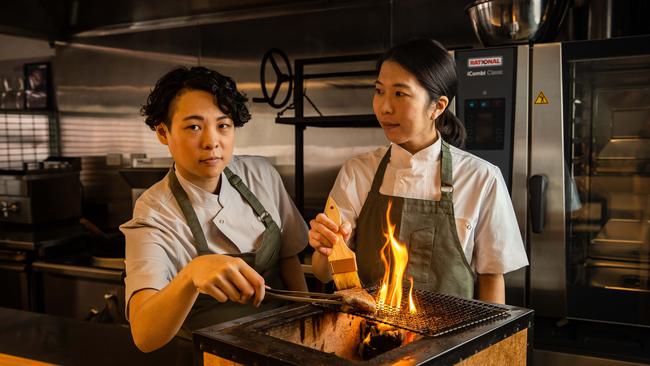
541, 98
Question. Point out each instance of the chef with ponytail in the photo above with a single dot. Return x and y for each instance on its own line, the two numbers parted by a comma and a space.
452, 209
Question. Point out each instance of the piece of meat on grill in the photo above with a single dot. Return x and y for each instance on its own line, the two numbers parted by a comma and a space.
358, 299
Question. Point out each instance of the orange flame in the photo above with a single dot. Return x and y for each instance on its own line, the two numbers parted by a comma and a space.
394, 255
412, 308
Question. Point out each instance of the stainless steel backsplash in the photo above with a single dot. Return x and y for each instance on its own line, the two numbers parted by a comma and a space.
102, 81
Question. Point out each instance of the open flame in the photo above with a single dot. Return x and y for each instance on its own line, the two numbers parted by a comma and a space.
395, 257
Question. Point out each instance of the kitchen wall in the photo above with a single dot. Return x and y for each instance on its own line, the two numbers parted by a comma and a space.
101, 82
108, 56
15, 48
18, 130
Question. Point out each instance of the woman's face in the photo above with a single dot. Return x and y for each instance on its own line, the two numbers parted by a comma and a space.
404, 109
201, 138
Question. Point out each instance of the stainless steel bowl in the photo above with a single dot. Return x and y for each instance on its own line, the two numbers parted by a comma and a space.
516, 21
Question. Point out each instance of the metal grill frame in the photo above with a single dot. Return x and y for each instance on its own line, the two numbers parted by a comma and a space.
437, 314
244, 340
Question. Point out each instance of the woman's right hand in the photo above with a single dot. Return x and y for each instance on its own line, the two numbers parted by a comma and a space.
226, 278
323, 233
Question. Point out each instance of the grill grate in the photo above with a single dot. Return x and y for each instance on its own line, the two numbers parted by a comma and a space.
437, 314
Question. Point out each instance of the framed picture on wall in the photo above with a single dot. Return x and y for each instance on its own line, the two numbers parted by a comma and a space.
38, 86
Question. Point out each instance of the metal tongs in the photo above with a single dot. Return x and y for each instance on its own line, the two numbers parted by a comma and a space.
303, 296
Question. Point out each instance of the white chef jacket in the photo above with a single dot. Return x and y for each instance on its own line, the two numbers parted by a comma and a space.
159, 242
485, 219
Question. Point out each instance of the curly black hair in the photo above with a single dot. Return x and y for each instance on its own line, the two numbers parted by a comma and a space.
223, 88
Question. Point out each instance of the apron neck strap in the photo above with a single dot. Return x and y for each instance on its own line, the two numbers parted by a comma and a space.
446, 175
267, 253
239, 185
381, 169
189, 213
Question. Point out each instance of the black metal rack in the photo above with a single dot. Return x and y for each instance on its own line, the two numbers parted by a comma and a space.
300, 122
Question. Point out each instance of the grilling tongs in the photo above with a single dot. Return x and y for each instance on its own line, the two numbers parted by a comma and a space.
303, 296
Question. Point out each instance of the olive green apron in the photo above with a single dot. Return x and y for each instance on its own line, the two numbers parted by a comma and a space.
207, 310
428, 228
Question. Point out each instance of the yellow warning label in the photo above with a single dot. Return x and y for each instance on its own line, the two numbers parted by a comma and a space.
541, 98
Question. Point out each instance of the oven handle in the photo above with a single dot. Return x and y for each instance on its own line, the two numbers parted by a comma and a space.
79, 271
13, 267
537, 193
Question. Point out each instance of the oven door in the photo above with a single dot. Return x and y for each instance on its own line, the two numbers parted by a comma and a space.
14, 280
590, 181
82, 292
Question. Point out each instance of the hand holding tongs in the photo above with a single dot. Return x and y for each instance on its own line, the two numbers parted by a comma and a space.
303, 296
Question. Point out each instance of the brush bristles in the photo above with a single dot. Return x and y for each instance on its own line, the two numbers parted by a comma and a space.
344, 281
344, 265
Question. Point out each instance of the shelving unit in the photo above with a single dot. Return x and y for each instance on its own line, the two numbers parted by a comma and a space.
301, 122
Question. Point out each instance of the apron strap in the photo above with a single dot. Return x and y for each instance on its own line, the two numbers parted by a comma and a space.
267, 254
186, 206
257, 206
206, 310
446, 175
381, 169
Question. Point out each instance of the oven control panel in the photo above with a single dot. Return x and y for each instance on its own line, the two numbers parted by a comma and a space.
485, 123
485, 103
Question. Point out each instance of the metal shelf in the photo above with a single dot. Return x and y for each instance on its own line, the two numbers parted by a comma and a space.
301, 122
27, 111
358, 121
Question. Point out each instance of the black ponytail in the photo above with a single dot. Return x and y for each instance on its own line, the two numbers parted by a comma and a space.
451, 128
435, 70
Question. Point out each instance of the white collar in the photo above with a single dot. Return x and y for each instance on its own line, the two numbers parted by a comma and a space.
403, 159
202, 197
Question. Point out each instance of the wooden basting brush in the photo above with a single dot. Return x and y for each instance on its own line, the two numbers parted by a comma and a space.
343, 262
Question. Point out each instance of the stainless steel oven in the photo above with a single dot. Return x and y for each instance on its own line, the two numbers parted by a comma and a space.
20, 246
41, 192
81, 291
14, 279
568, 124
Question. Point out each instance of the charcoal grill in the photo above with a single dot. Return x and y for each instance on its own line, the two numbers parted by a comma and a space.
437, 314
447, 330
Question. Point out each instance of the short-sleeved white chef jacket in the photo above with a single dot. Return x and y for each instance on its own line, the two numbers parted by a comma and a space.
485, 219
159, 242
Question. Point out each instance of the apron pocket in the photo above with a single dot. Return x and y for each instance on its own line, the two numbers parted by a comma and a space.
420, 252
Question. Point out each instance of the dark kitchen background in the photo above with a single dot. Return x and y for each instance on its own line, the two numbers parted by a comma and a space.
75, 151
